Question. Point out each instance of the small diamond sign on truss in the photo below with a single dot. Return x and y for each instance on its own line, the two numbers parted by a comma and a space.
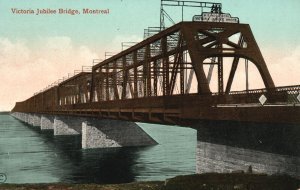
262, 99
298, 97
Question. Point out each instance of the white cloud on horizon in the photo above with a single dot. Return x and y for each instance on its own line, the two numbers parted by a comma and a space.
25, 70
284, 65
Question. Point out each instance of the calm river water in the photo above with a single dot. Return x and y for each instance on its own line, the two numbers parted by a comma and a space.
28, 155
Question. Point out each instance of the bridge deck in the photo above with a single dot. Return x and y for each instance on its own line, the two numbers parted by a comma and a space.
184, 110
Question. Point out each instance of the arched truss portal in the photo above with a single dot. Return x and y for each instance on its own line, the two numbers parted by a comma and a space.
214, 40
158, 66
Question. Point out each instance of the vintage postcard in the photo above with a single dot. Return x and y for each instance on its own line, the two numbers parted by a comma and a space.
149, 94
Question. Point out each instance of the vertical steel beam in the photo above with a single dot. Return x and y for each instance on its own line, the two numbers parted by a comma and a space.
148, 63
147, 72
92, 88
155, 77
166, 83
196, 58
135, 93
247, 74
176, 64
107, 83
182, 69
125, 76
101, 80
97, 80
220, 75
233, 67
231, 74
114, 77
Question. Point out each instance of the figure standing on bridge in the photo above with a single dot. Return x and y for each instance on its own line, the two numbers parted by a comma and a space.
216, 9
213, 8
219, 9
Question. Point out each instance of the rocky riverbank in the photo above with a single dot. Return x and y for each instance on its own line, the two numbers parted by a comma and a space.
212, 181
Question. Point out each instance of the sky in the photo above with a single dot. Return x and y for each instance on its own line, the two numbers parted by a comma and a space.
37, 50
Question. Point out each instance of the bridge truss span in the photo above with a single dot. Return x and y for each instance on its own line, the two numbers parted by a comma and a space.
165, 63
168, 77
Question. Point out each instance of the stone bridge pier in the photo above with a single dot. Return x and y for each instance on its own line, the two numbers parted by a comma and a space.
226, 147
96, 133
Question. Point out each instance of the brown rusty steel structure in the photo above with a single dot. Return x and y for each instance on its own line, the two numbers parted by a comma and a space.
76, 89
152, 81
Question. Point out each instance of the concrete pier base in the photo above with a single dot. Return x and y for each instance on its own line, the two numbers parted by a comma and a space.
258, 148
32, 119
226, 159
16, 115
113, 133
20, 116
67, 125
23, 117
36, 120
47, 122
95, 133
27, 118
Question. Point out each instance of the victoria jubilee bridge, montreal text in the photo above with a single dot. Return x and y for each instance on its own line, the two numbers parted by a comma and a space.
49, 11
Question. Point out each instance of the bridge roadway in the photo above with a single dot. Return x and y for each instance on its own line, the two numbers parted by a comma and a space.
188, 109
282, 106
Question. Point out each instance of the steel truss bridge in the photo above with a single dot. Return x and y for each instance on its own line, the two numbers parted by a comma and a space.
162, 80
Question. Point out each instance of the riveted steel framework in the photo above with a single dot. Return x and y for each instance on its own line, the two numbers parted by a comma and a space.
155, 66
152, 81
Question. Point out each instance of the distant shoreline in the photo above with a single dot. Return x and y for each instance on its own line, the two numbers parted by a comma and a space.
4, 112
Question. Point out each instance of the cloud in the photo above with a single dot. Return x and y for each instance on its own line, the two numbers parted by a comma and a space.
15, 53
284, 66
25, 70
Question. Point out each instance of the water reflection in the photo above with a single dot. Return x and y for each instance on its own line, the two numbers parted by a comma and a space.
110, 165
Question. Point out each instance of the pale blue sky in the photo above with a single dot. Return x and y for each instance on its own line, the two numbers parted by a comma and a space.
269, 19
